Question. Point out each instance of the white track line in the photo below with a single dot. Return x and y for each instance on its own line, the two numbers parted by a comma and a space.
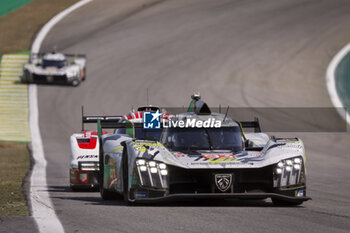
41, 205
330, 80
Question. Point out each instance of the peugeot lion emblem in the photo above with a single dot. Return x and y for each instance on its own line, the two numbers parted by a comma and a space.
223, 181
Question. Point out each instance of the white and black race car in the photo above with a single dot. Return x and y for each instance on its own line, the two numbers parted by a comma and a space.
55, 68
217, 160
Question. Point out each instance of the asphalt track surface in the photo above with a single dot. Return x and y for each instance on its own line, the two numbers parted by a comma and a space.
254, 53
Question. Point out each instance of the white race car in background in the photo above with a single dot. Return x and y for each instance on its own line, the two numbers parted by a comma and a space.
57, 68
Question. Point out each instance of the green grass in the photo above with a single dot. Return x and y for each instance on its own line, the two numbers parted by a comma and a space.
18, 28
7, 6
14, 165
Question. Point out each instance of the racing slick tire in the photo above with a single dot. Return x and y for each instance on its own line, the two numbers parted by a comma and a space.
84, 74
279, 202
75, 189
24, 76
126, 192
76, 82
23, 79
105, 194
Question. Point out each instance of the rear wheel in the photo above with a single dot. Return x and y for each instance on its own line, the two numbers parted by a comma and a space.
74, 189
83, 77
105, 194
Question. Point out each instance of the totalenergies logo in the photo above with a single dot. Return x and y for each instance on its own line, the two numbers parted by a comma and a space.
219, 156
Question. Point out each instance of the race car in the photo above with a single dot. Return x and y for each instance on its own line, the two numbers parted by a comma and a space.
84, 160
202, 155
85, 146
57, 68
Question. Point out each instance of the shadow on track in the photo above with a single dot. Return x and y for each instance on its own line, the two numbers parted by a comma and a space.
60, 189
93, 198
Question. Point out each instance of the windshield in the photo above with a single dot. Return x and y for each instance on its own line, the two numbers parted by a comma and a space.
225, 138
146, 134
53, 63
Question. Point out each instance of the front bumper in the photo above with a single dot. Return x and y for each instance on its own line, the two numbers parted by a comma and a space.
203, 184
223, 196
47, 79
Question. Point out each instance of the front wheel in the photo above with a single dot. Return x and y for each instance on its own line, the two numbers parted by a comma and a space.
75, 82
126, 190
24, 78
105, 194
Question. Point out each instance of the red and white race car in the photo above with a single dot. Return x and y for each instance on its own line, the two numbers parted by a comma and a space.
85, 146
84, 163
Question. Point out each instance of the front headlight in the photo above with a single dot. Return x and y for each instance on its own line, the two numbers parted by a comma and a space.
152, 173
289, 172
71, 74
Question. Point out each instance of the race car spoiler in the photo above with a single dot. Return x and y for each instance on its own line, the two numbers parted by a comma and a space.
252, 124
37, 55
106, 121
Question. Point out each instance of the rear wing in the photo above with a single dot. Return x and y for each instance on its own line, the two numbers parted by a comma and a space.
106, 121
252, 124
68, 55
109, 122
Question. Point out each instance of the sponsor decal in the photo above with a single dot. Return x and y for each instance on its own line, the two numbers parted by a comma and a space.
83, 177
87, 157
141, 194
179, 154
151, 120
144, 146
219, 156
193, 123
73, 176
242, 157
299, 193
223, 181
